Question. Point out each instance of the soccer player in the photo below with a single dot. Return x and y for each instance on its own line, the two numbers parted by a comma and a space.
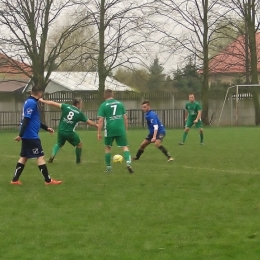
192, 117
156, 132
113, 116
70, 116
31, 143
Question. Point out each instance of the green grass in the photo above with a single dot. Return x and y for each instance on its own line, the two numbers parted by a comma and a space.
204, 205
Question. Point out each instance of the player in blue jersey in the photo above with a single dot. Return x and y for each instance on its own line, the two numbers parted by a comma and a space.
31, 143
156, 132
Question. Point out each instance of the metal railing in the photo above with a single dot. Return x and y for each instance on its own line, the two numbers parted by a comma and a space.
171, 118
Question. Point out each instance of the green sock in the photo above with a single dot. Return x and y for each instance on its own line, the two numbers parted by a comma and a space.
108, 159
78, 154
55, 149
127, 157
201, 137
184, 136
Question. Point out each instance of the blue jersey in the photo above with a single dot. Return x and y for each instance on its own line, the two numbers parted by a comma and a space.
153, 119
31, 111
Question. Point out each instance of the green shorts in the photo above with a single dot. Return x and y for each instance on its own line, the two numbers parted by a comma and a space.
71, 137
120, 140
189, 123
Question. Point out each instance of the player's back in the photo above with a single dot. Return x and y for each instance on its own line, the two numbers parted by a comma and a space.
70, 117
113, 112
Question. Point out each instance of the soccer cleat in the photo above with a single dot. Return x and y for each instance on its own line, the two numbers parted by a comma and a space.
135, 159
51, 159
53, 182
108, 169
181, 143
16, 182
170, 159
130, 169
202, 144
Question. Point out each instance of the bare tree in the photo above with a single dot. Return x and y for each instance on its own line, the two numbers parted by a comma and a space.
25, 25
122, 33
189, 24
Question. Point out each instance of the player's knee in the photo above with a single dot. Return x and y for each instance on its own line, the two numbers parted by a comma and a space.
158, 143
187, 130
79, 145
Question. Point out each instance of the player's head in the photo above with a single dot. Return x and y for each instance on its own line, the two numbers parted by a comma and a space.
108, 94
77, 102
146, 106
191, 97
36, 92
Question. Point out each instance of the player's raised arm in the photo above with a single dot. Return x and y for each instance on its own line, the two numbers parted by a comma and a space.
51, 103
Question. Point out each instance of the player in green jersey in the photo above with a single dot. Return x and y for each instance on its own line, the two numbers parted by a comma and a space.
70, 117
192, 117
113, 116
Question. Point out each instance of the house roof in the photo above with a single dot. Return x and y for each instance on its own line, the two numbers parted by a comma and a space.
13, 67
83, 81
232, 58
12, 86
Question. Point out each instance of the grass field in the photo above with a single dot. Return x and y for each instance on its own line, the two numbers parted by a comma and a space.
205, 205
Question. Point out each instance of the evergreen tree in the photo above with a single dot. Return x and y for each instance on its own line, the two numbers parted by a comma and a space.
156, 79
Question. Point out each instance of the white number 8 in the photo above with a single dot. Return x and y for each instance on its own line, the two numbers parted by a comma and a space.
70, 116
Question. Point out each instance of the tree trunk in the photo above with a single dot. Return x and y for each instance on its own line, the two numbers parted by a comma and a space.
102, 73
253, 53
205, 86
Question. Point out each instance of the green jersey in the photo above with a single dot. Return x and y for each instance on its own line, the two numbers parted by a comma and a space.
70, 117
113, 112
193, 109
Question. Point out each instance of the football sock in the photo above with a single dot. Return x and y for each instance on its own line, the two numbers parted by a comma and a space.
108, 159
184, 136
18, 171
78, 154
139, 153
55, 149
127, 157
44, 171
201, 137
164, 151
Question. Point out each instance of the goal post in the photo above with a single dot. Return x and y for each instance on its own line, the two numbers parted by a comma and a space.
237, 99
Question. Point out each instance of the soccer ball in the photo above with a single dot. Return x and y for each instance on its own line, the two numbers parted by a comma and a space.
117, 158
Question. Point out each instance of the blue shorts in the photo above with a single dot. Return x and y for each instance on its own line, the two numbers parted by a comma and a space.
159, 136
31, 148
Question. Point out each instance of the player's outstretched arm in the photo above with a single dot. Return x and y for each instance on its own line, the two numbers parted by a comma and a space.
90, 122
51, 103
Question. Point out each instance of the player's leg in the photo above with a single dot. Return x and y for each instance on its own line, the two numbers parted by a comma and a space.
188, 125
144, 144
158, 144
199, 126
44, 171
108, 144
18, 170
122, 142
60, 142
73, 139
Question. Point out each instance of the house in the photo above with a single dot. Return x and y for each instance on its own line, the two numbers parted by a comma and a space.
230, 64
78, 81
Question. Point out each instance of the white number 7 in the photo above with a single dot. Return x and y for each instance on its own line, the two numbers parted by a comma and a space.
114, 109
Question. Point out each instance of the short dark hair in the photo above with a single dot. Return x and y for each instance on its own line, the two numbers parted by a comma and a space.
191, 94
76, 101
147, 102
36, 90
108, 93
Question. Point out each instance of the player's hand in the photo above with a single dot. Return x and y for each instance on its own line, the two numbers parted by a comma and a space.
195, 121
99, 136
18, 138
50, 130
40, 99
153, 140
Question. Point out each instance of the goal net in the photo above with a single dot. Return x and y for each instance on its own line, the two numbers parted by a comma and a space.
235, 98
